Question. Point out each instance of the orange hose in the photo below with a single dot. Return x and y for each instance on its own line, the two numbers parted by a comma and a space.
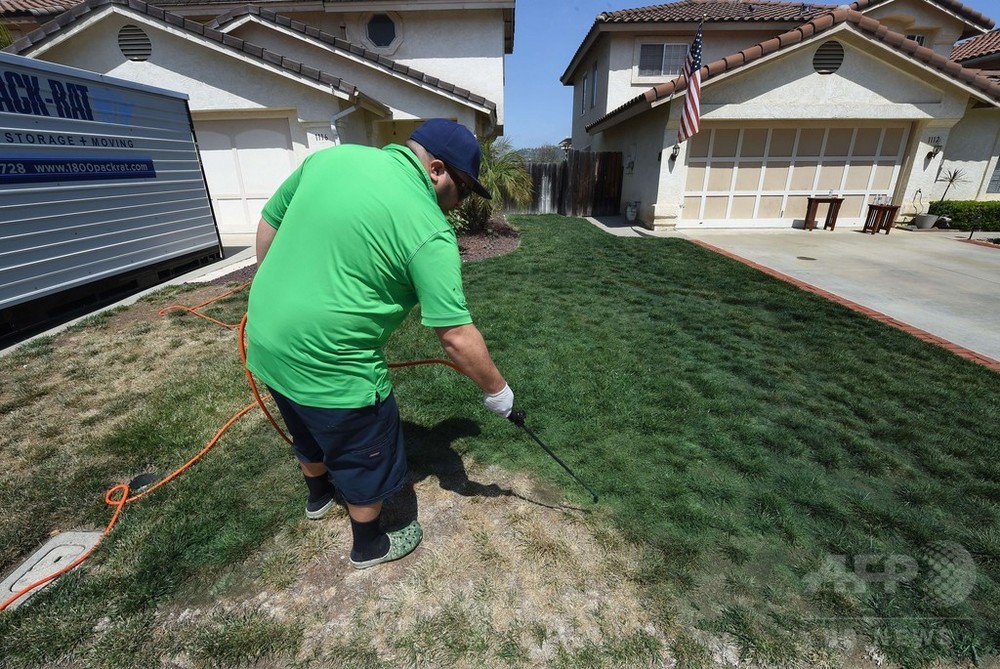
195, 308
119, 502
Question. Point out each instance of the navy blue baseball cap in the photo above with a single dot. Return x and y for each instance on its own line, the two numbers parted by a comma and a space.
453, 143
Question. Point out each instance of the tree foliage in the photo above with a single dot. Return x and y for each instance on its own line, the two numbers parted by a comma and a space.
6, 39
547, 153
950, 177
503, 174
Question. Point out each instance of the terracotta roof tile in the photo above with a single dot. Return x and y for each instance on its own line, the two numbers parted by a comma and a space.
716, 10
760, 10
987, 44
987, 85
35, 7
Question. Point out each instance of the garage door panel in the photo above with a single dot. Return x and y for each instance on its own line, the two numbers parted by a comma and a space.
720, 178
726, 143
699, 145
776, 175
768, 173
231, 215
245, 161
782, 143
260, 167
853, 206
263, 134
883, 175
867, 142
716, 207
754, 143
221, 171
748, 176
692, 209
212, 140
831, 177
770, 206
804, 175
696, 177
796, 205
838, 141
892, 142
743, 206
858, 177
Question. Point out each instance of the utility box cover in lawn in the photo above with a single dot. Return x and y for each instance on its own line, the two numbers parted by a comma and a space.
101, 187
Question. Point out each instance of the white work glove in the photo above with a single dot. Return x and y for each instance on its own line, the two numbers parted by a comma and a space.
501, 402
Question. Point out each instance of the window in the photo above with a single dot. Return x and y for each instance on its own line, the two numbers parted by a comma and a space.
657, 60
381, 30
593, 86
918, 38
994, 185
583, 96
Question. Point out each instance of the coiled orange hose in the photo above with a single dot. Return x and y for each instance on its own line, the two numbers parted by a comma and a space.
120, 495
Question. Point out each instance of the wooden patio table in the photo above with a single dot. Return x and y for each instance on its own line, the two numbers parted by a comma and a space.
831, 212
880, 217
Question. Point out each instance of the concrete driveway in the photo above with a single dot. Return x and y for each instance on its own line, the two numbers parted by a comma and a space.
933, 281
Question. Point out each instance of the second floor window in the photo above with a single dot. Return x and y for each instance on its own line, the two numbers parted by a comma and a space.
381, 30
994, 184
593, 86
657, 60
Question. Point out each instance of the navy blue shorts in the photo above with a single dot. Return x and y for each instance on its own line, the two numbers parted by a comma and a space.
362, 448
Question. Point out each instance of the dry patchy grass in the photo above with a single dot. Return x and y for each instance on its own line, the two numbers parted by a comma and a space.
515, 578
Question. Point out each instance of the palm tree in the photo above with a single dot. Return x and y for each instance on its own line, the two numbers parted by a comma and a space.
503, 174
951, 177
6, 39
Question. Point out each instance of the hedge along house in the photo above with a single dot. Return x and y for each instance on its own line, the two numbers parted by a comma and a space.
266, 88
796, 101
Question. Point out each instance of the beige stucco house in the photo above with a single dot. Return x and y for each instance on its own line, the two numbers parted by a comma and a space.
271, 82
871, 101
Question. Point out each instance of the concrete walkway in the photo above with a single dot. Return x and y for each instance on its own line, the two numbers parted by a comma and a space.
933, 284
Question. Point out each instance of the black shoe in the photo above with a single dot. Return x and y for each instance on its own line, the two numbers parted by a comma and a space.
318, 509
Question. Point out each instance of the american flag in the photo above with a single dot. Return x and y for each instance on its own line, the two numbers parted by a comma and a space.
692, 101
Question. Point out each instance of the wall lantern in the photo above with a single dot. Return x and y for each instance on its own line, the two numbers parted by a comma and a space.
935, 149
674, 152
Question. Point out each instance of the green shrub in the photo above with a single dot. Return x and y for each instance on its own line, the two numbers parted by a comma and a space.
504, 175
969, 214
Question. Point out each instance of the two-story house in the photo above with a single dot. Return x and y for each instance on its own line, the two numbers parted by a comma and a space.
870, 102
271, 82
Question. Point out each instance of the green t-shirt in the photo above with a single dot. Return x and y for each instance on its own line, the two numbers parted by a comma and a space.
360, 239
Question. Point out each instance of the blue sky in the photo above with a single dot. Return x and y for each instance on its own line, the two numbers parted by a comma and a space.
547, 33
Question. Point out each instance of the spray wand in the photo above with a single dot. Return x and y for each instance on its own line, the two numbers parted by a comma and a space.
517, 418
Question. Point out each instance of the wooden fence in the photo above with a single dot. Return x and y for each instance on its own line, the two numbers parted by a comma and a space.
585, 184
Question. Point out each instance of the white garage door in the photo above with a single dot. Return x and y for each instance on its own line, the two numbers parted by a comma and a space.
245, 162
763, 176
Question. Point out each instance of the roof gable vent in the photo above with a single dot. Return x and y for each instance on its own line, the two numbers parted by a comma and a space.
134, 43
829, 57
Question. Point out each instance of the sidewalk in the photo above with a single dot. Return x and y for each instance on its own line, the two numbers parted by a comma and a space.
930, 282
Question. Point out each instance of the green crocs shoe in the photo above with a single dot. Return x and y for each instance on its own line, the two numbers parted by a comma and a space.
401, 543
